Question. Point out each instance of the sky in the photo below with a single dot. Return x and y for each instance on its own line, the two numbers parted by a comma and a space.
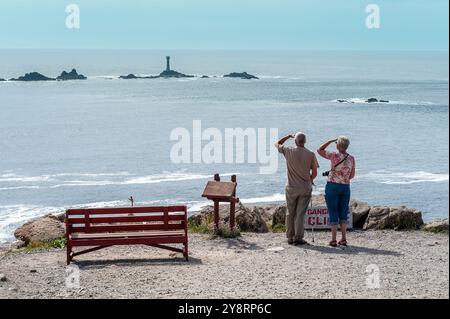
225, 24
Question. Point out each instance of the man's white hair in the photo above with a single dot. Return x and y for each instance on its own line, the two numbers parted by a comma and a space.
300, 138
343, 141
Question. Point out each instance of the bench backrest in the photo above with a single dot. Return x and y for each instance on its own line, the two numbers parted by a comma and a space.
126, 219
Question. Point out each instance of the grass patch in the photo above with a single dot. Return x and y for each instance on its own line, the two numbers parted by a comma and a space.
59, 243
198, 229
226, 232
279, 228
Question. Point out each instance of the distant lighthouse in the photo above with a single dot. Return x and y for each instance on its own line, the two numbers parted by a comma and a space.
168, 63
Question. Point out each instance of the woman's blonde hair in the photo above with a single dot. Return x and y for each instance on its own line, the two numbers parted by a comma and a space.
343, 142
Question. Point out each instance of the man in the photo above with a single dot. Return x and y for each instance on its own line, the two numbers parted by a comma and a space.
301, 171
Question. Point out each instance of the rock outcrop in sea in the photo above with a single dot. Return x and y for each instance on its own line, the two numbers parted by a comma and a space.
167, 73
132, 76
243, 75
33, 76
72, 75
2, 80
369, 100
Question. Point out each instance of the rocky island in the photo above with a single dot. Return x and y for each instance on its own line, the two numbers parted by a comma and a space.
132, 76
167, 73
33, 76
72, 75
243, 75
369, 100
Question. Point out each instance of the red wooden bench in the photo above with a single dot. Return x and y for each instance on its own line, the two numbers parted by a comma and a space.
104, 227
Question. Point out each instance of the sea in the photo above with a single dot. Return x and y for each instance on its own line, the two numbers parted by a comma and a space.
95, 143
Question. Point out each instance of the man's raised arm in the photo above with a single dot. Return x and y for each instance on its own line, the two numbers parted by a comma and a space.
280, 143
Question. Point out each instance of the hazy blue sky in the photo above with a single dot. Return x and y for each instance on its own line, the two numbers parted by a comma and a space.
225, 24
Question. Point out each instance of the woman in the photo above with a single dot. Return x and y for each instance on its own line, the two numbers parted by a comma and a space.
337, 190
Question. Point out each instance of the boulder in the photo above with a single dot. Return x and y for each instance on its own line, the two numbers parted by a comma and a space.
3, 278
247, 220
72, 75
437, 226
33, 76
243, 75
360, 211
398, 218
251, 220
41, 230
279, 215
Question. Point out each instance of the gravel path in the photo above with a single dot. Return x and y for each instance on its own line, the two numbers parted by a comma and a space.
411, 265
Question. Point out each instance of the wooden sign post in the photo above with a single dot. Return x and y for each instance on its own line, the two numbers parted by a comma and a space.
224, 192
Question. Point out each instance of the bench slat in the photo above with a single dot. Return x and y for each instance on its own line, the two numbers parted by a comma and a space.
127, 234
125, 210
129, 241
122, 228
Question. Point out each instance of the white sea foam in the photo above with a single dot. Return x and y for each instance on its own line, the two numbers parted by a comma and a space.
95, 179
405, 178
277, 197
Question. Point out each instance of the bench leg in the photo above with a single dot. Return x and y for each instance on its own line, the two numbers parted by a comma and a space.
186, 252
69, 254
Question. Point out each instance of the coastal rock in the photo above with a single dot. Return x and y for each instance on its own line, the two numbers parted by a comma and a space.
41, 230
205, 77
360, 211
437, 226
243, 75
397, 218
279, 215
33, 76
2, 80
247, 220
251, 220
72, 75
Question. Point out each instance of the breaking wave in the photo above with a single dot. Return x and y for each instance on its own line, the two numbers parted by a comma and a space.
405, 178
